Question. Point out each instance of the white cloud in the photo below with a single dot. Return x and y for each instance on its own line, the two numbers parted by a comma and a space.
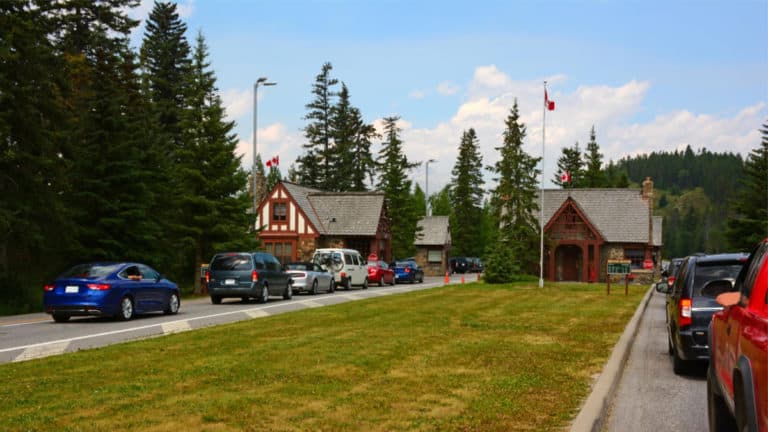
416, 94
237, 102
447, 88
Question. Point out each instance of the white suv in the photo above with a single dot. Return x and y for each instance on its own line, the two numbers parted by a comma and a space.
348, 266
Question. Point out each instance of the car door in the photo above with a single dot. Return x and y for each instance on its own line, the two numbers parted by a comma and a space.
136, 288
361, 271
156, 296
276, 276
323, 277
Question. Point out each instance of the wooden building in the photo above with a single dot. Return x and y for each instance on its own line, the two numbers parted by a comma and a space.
584, 228
296, 220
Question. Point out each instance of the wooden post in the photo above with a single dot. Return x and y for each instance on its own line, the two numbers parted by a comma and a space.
626, 285
608, 278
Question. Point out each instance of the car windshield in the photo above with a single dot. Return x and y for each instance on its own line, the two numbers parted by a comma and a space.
231, 262
707, 272
90, 271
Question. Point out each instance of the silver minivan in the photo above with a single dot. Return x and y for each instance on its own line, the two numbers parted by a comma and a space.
348, 266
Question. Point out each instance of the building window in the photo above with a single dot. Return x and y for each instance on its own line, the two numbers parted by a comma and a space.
435, 256
283, 251
279, 211
637, 256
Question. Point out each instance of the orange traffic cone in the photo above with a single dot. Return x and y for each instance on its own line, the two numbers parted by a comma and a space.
447, 279
462, 278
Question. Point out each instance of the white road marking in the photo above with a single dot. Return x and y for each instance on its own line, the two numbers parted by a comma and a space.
42, 350
256, 313
176, 326
312, 304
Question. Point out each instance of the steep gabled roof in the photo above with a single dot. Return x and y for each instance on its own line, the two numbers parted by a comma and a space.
434, 231
621, 215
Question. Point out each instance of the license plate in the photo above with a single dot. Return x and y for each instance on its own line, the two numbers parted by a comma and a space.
71, 289
229, 282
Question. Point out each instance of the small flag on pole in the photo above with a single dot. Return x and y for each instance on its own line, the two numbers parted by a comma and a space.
269, 163
566, 176
550, 104
276, 160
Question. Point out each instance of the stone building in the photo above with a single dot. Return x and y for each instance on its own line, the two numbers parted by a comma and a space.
433, 247
296, 220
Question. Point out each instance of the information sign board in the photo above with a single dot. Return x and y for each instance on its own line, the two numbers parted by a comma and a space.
620, 267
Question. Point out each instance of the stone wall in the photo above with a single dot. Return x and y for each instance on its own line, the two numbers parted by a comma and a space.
430, 268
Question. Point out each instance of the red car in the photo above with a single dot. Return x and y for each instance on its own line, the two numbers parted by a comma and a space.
379, 272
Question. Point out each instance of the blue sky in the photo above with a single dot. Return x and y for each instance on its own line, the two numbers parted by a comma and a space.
649, 75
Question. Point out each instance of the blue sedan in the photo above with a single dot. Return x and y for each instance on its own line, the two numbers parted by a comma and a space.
110, 289
408, 271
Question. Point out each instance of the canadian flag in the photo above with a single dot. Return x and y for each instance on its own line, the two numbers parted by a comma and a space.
269, 163
276, 160
550, 104
566, 176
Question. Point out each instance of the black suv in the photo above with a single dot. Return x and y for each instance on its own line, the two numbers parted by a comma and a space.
459, 265
691, 303
246, 275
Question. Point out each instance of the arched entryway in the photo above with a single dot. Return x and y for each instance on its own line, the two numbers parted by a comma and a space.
568, 263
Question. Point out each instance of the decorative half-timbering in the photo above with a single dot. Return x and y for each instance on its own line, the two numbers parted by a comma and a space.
587, 227
296, 220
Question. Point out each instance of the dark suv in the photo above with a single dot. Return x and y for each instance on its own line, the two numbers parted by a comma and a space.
691, 303
459, 265
246, 275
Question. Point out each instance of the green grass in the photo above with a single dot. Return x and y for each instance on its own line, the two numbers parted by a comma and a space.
468, 357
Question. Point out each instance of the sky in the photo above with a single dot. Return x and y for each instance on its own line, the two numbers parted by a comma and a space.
650, 76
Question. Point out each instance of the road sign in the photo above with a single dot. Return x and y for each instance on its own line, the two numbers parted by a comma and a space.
620, 267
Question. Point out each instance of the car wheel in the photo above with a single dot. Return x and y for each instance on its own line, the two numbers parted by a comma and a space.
381, 281
670, 349
264, 293
392, 281
421, 279
288, 293
126, 309
215, 299
348, 284
244, 299
61, 317
173, 305
332, 286
679, 366
719, 417
313, 290
365, 283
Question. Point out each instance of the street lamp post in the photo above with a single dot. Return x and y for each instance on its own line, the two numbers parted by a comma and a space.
260, 81
426, 186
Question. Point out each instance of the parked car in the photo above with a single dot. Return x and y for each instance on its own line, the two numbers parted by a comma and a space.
474, 264
668, 275
310, 277
380, 273
408, 271
247, 275
459, 265
348, 266
120, 289
737, 379
691, 304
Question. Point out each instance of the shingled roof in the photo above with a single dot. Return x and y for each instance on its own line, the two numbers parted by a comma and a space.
339, 213
621, 215
434, 231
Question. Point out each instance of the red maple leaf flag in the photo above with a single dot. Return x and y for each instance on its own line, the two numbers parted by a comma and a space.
269, 163
566, 176
276, 160
550, 104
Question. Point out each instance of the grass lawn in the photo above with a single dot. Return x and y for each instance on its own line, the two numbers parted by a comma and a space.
468, 357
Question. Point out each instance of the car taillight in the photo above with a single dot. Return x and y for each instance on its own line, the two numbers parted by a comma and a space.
98, 287
407, 270
49, 287
671, 280
299, 275
343, 275
685, 312
254, 276
207, 276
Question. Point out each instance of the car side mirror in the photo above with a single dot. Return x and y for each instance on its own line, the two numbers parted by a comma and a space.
662, 287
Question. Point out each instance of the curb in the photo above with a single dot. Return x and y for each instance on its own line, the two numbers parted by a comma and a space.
590, 418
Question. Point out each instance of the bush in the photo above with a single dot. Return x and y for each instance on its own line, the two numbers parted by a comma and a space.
501, 266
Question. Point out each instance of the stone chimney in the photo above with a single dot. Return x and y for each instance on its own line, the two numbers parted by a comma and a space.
647, 194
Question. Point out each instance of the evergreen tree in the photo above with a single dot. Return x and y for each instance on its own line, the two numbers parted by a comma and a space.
570, 162
749, 223
419, 201
466, 197
352, 160
273, 178
593, 160
440, 203
316, 164
393, 167
514, 199
213, 182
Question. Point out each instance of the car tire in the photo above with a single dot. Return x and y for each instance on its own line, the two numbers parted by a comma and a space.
670, 348
215, 299
720, 418
421, 279
288, 293
126, 309
59, 317
347, 284
245, 299
173, 305
679, 366
313, 290
365, 283
264, 294
381, 281
332, 286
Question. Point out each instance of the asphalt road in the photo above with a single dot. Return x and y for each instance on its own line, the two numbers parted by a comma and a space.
24, 337
650, 397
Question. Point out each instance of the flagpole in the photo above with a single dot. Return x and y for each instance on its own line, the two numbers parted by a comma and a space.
541, 191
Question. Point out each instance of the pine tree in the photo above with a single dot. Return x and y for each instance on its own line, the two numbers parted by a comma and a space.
514, 198
212, 180
570, 162
316, 164
466, 197
593, 160
352, 137
440, 203
749, 223
419, 201
393, 167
